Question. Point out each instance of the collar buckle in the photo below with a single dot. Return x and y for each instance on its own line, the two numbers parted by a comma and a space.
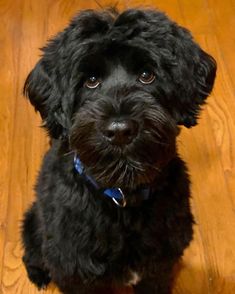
122, 201
116, 194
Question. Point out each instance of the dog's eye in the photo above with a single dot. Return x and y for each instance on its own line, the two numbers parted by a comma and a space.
92, 82
146, 77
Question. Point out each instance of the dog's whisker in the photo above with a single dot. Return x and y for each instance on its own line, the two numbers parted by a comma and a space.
68, 153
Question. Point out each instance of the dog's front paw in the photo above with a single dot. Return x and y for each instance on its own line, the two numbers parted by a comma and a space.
39, 277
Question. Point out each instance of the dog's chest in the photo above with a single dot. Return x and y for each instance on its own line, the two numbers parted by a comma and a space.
134, 279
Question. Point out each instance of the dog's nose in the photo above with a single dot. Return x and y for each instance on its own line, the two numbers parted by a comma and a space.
121, 132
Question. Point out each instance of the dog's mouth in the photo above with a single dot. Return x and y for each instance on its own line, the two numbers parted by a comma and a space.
127, 167
125, 172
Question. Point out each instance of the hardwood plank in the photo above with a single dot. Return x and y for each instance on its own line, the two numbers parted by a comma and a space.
8, 84
224, 23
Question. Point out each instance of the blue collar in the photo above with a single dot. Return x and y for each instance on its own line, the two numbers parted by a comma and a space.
115, 193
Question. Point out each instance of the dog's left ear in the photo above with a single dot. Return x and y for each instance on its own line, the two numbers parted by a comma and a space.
185, 73
193, 74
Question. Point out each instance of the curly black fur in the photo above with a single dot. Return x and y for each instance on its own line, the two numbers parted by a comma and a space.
73, 234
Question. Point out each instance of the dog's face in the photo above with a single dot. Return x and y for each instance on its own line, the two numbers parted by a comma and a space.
120, 130
116, 87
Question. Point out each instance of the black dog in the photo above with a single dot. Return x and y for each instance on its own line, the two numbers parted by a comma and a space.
112, 203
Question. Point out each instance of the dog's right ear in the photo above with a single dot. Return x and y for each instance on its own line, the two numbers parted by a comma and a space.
43, 94
37, 88
51, 85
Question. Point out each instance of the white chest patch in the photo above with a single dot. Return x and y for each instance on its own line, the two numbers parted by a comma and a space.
134, 280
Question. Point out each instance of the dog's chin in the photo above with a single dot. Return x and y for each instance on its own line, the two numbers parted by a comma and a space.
124, 176
127, 168
125, 172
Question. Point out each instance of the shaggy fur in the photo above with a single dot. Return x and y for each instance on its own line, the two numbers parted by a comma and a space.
73, 234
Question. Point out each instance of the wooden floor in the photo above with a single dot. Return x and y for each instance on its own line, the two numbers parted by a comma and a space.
209, 264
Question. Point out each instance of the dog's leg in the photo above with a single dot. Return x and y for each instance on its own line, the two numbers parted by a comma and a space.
82, 289
32, 241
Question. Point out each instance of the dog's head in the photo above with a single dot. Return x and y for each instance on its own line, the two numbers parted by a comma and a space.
116, 87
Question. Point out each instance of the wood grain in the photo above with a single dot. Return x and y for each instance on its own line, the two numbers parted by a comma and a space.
208, 265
